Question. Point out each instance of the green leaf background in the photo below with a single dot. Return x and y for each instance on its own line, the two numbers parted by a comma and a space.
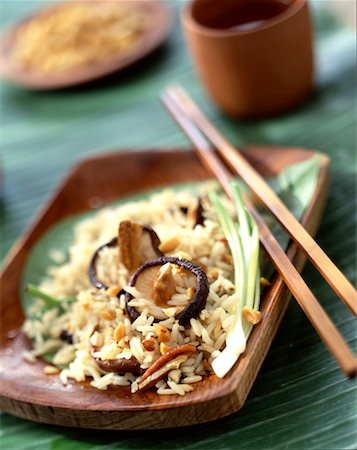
300, 399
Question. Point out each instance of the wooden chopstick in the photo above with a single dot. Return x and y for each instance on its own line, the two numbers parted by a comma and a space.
311, 307
268, 197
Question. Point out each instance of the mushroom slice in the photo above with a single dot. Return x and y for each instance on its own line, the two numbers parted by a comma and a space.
158, 285
92, 271
194, 213
118, 365
138, 243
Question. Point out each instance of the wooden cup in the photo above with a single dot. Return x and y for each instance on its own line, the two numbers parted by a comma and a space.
252, 72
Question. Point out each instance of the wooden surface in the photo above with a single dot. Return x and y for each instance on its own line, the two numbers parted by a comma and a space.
42, 398
148, 41
300, 399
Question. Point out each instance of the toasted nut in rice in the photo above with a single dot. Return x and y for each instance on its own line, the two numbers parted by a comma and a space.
164, 348
163, 333
149, 344
107, 314
251, 315
96, 339
113, 291
119, 332
169, 245
191, 292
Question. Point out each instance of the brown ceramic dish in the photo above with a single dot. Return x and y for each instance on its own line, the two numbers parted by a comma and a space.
149, 41
25, 390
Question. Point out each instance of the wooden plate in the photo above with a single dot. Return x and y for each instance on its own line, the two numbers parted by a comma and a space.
25, 390
150, 40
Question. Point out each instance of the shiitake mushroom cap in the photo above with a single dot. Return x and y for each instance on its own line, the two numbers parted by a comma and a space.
92, 270
199, 299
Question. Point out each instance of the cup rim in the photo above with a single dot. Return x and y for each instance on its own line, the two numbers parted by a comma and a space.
188, 20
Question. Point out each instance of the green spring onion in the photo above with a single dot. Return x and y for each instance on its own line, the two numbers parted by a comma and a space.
48, 300
243, 240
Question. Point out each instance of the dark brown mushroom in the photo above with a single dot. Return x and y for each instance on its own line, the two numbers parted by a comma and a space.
66, 336
149, 273
195, 214
119, 365
92, 271
198, 213
138, 243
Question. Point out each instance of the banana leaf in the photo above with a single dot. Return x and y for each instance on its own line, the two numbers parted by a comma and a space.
300, 400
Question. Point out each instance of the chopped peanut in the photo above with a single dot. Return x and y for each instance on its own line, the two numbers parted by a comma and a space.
107, 314
212, 275
113, 291
163, 333
169, 245
85, 304
122, 343
119, 332
164, 348
251, 315
149, 344
96, 339
51, 370
190, 293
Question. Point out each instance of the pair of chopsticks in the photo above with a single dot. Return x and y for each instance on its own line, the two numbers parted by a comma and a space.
206, 138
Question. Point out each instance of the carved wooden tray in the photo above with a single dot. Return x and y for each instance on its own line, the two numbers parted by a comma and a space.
25, 390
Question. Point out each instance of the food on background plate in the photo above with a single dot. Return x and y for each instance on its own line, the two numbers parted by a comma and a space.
79, 34
154, 294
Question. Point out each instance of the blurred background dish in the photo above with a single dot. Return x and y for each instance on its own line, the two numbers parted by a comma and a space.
72, 43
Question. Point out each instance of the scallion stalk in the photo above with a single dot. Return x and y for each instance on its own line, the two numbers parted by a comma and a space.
49, 301
243, 240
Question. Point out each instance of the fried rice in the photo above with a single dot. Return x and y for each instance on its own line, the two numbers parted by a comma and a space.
95, 325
